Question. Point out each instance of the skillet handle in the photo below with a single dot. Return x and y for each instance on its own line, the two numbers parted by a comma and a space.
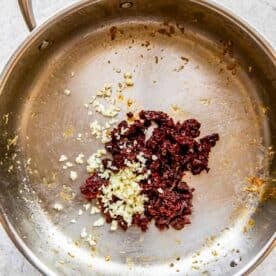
27, 12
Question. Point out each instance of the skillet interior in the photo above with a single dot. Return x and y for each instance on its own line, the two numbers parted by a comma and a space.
228, 84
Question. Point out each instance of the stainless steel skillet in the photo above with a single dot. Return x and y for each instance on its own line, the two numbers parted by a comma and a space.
228, 83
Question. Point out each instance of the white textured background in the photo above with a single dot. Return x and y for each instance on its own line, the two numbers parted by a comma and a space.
261, 14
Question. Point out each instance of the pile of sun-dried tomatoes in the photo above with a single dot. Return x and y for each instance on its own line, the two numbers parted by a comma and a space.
175, 150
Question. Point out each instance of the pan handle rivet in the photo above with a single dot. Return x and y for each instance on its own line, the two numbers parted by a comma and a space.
126, 5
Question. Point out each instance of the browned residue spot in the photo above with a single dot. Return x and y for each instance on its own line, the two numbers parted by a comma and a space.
132, 118
107, 258
254, 185
178, 112
250, 224
265, 109
113, 32
214, 253
205, 101
6, 118
227, 47
69, 132
156, 59
270, 153
180, 68
129, 103
120, 97
175, 108
270, 193
171, 30
164, 31
180, 28
146, 44
185, 59
233, 67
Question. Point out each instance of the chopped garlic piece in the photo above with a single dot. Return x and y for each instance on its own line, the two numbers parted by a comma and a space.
106, 91
57, 207
140, 157
73, 221
73, 175
99, 222
86, 206
62, 158
124, 185
94, 210
94, 162
114, 225
123, 130
79, 158
67, 92
160, 190
105, 174
106, 136
96, 129
69, 164
83, 233
91, 241
154, 157
110, 111
80, 212
92, 100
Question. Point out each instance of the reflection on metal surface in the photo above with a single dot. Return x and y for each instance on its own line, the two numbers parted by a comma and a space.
226, 98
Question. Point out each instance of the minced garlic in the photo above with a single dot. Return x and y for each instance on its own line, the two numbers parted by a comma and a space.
124, 185
114, 225
67, 92
91, 241
83, 233
99, 222
106, 91
73, 175
62, 158
94, 162
79, 158
110, 111
96, 129
100, 132
57, 207
94, 210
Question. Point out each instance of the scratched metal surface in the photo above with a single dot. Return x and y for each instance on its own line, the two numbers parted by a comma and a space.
260, 14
